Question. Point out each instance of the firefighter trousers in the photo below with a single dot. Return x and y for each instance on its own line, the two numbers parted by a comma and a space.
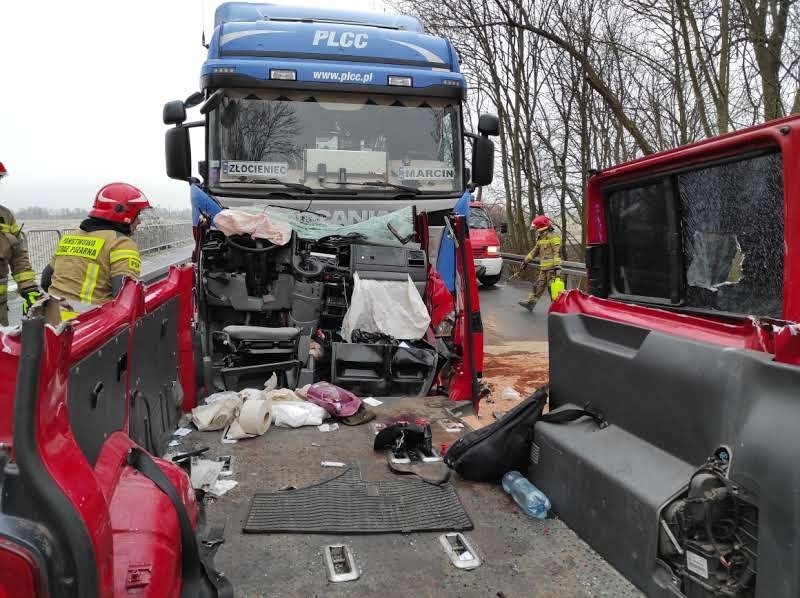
541, 285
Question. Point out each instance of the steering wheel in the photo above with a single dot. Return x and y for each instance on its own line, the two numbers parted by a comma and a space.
310, 267
268, 246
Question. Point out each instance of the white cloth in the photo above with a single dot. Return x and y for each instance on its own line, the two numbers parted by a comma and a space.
258, 226
390, 307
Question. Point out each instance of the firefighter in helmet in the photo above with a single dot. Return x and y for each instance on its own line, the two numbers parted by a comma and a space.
14, 257
90, 267
548, 250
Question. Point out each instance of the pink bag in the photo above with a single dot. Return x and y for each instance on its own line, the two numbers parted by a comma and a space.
336, 401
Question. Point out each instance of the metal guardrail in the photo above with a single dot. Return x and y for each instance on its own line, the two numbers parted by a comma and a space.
574, 268
42, 243
573, 273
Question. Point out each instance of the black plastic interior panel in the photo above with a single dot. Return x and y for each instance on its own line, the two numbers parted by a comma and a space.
613, 493
676, 400
96, 395
388, 263
382, 369
155, 394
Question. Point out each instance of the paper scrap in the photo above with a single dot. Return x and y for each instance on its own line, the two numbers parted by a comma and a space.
332, 464
174, 443
372, 401
220, 487
403, 344
328, 427
182, 432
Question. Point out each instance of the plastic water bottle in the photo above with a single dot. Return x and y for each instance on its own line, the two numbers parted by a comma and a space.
526, 495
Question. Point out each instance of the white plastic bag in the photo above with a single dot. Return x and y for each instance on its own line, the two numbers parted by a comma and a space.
251, 394
294, 414
511, 394
221, 396
282, 394
390, 307
218, 414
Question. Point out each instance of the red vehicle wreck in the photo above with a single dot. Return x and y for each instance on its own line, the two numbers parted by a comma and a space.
687, 342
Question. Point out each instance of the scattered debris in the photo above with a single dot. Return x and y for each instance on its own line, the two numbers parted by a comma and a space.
328, 427
509, 394
294, 414
182, 432
451, 426
461, 554
372, 402
217, 414
227, 465
174, 443
339, 563
221, 487
205, 472
333, 464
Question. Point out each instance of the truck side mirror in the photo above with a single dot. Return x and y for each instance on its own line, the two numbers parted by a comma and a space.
482, 161
178, 153
488, 125
174, 113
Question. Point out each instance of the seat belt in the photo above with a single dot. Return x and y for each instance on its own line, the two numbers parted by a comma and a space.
199, 579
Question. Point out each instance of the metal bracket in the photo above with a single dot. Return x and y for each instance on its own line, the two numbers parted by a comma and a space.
339, 563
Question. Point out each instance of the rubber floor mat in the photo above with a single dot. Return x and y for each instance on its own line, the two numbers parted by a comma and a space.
347, 504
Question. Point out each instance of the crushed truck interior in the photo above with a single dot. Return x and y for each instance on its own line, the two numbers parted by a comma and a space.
275, 418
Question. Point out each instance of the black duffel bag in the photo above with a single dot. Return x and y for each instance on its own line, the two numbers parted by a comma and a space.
486, 455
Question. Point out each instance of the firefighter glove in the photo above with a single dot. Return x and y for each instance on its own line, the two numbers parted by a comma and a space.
29, 297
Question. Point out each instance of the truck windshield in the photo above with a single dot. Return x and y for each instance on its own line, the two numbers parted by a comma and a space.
261, 139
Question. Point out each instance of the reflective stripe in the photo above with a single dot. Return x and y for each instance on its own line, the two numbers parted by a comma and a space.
80, 246
121, 254
12, 229
66, 315
3, 289
555, 241
24, 276
89, 283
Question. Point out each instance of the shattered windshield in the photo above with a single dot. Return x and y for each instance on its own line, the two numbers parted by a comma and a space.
729, 218
732, 222
263, 139
395, 228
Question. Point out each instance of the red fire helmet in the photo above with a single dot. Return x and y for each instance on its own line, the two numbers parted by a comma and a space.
119, 202
541, 222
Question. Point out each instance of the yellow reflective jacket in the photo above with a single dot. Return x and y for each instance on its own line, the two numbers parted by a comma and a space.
547, 249
85, 263
13, 255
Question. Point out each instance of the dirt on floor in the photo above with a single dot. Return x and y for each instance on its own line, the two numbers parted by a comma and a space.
522, 371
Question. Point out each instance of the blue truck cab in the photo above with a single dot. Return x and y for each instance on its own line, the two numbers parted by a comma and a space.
353, 113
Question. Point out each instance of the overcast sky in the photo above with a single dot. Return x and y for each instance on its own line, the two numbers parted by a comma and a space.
82, 85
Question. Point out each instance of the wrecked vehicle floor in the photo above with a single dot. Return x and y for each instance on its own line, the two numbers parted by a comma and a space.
520, 556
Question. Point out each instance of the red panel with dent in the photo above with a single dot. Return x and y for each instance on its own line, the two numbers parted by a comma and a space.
743, 335
783, 134
146, 532
63, 458
180, 283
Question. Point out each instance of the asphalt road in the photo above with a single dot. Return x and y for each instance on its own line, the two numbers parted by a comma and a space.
150, 263
505, 322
